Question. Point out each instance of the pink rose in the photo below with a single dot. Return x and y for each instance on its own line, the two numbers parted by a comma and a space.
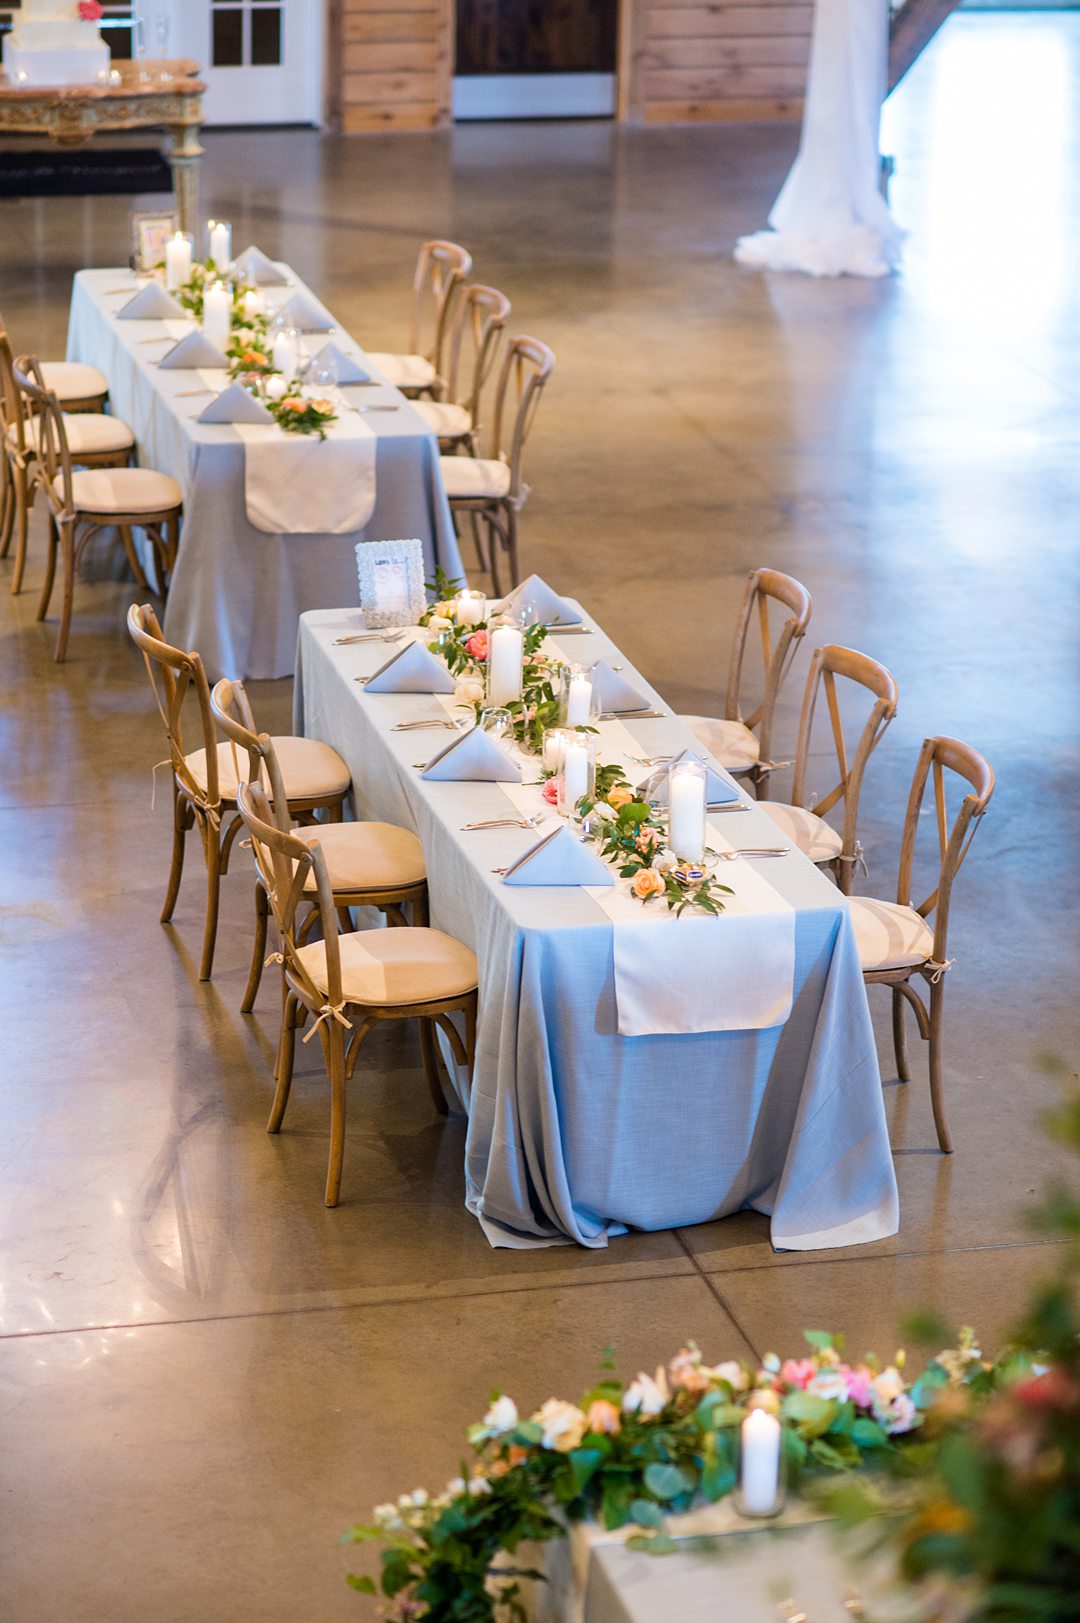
860, 1389
551, 790
90, 11
798, 1372
477, 645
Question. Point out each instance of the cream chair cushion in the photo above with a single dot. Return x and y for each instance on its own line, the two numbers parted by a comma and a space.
121, 490
89, 433
366, 856
448, 421
404, 371
472, 476
813, 836
388, 967
310, 770
890, 936
71, 380
732, 744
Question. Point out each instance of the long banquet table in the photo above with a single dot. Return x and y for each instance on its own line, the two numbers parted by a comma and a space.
576, 1132
238, 592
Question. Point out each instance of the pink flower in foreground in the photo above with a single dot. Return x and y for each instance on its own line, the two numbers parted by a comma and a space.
797, 1372
90, 11
860, 1385
477, 645
551, 790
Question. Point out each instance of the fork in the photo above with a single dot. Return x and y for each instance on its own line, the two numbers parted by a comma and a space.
414, 726
755, 851
369, 636
505, 822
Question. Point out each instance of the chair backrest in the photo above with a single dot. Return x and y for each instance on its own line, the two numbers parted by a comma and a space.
235, 719
53, 455
286, 865
12, 402
174, 676
526, 367
826, 664
477, 333
765, 586
441, 268
937, 755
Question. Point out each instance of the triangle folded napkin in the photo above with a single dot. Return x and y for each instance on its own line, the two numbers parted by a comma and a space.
306, 314
474, 757
235, 405
194, 350
559, 859
152, 303
549, 608
718, 791
349, 369
414, 669
254, 266
613, 692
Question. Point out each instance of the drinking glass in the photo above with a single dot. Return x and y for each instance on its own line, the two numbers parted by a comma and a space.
163, 34
495, 721
323, 373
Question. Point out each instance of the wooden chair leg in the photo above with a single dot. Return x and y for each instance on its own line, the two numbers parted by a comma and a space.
899, 1036
431, 1065
127, 541
512, 546
21, 520
336, 1065
286, 1054
258, 954
213, 900
493, 556
67, 560
7, 506
181, 824
420, 914
937, 1095
50, 569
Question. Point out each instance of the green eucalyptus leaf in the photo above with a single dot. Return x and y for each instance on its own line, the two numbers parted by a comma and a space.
363, 1586
668, 1481
646, 1513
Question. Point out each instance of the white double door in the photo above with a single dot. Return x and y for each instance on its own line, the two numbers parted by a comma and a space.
261, 59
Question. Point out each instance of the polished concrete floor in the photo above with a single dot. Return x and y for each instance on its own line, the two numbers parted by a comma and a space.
204, 1375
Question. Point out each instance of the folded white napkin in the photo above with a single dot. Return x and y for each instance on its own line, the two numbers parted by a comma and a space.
297, 484
549, 608
235, 405
559, 859
414, 669
474, 757
348, 368
717, 789
194, 350
151, 303
254, 266
305, 313
614, 692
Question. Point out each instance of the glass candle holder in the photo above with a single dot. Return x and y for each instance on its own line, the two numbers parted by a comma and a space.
578, 771
761, 1478
505, 666
552, 749
687, 782
470, 607
219, 244
179, 250
217, 314
579, 702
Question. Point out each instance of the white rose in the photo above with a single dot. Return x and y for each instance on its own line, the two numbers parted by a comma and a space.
771, 1364
439, 622
469, 691
731, 1372
665, 861
647, 1395
276, 388
455, 1486
888, 1385
606, 813
502, 1416
829, 1384
563, 1424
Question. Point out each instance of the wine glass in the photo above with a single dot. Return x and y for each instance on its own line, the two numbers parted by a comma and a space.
496, 722
139, 45
163, 34
323, 374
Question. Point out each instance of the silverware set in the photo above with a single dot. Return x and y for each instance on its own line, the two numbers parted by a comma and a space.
505, 822
369, 636
632, 715
415, 726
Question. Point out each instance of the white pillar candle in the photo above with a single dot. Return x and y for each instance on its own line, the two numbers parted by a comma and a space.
220, 243
506, 658
217, 315
686, 816
470, 608
579, 701
254, 304
575, 769
286, 355
552, 751
177, 260
760, 1473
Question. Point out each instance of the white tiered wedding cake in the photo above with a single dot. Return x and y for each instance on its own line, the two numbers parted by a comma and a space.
50, 44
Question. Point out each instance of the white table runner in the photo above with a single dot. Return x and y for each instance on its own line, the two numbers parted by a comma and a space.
297, 484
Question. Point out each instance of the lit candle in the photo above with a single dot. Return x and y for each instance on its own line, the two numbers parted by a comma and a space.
506, 658
760, 1477
470, 608
220, 243
579, 701
575, 769
254, 304
177, 260
552, 750
686, 812
217, 315
286, 354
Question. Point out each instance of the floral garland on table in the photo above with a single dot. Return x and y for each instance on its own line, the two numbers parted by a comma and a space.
296, 414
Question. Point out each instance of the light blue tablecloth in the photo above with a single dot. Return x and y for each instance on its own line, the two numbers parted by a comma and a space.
237, 593
576, 1132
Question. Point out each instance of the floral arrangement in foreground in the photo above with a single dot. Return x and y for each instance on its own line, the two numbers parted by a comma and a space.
969, 1475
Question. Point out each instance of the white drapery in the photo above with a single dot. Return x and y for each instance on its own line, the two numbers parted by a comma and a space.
830, 218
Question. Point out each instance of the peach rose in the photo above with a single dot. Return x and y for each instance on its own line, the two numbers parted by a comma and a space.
647, 882
294, 404
619, 796
603, 1417
477, 645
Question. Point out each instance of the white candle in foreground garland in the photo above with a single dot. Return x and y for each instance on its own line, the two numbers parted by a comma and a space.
575, 769
470, 607
254, 303
686, 818
286, 354
552, 750
220, 243
177, 260
506, 659
217, 315
760, 1470
579, 701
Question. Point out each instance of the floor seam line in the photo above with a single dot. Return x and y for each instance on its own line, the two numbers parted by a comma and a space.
717, 1295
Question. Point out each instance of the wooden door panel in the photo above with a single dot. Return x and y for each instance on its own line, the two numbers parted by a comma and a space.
536, 36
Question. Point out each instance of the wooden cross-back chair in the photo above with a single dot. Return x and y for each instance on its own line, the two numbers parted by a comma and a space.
349, 983
898, 940
82, 503
368, 864
802, 819
475, 340
78, 387
94, 439
492, 489
205, 779
743, 742
441, 269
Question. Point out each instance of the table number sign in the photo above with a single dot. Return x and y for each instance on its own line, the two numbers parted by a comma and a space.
391, 582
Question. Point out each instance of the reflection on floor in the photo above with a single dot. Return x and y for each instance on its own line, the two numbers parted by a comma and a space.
204, 1375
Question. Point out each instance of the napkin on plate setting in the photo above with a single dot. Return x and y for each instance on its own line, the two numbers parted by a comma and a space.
235, 405
548, 607
718, 791
559, 859
349, 369
474, 757
254, 266
306, 314
193, 350
152, 303
614, 692
414, 669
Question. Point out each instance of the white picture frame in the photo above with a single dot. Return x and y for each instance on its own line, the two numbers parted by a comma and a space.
391, 576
